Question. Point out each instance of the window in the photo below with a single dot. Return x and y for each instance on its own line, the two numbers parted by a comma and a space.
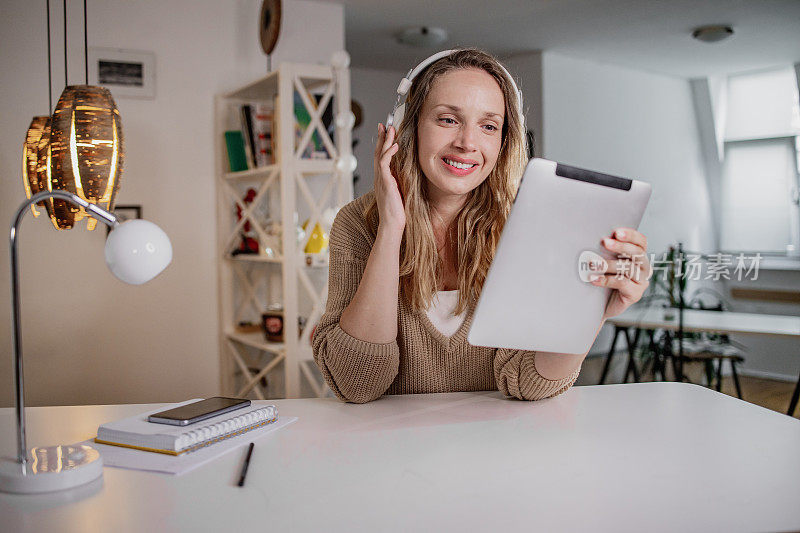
759, 204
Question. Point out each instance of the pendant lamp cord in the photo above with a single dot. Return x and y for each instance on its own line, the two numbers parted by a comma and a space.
65, 44
85, 46
49, 66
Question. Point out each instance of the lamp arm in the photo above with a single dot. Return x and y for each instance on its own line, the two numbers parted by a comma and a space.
16, 338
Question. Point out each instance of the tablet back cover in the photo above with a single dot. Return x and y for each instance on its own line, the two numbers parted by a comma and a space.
533, 298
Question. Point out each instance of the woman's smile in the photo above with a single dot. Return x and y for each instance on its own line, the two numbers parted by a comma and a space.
459, 166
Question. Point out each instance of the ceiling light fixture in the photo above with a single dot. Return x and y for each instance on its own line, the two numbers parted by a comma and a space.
712, 33
423, 36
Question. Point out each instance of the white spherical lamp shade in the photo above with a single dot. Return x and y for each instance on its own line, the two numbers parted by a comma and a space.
137, 251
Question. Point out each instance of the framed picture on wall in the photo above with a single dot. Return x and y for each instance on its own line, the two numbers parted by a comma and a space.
127, 73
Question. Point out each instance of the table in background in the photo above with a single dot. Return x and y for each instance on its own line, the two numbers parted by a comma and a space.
652, 318
648, 456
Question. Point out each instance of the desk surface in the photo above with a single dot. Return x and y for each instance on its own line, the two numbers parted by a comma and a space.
648, 456
721, 321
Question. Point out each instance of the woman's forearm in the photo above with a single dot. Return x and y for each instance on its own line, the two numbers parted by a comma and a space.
372, 313
555, 366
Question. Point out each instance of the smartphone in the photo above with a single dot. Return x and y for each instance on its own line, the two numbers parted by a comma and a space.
197, 411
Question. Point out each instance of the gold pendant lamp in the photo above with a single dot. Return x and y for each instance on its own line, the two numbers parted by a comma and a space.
44, 171
86, 146
32, 180
79, 149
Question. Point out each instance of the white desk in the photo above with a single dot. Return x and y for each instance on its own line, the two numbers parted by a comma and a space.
720, 321
638, 457
694, 320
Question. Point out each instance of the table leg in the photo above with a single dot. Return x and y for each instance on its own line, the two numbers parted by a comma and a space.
669, 354
736, 379
680, 358
658, 364
610, 355
795, 397
631, 351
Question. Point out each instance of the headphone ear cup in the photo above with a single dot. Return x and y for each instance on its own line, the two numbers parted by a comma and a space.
399, 113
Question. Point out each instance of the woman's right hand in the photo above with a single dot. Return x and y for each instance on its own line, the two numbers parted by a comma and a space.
387, 192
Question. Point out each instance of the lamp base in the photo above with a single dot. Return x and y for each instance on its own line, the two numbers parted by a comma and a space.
51, 468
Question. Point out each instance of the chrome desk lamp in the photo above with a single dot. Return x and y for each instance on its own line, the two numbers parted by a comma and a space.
136, 251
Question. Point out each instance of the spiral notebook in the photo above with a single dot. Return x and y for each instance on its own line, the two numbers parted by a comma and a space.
136, 432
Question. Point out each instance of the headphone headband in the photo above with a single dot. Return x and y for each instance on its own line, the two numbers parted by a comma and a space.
396, 116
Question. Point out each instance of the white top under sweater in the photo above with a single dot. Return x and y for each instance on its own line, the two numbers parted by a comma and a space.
440, 313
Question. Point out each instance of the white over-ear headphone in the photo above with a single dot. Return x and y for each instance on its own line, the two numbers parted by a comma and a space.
396, 116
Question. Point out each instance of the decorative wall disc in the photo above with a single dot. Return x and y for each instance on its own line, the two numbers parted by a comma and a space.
269, 24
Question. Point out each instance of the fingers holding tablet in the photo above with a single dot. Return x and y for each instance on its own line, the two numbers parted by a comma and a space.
632, 236
627, 247
631, 244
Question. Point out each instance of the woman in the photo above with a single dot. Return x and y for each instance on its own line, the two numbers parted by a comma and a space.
408, 259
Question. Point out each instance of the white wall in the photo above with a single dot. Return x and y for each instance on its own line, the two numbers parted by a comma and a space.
376, 91
633, 124
87, 337
527, 72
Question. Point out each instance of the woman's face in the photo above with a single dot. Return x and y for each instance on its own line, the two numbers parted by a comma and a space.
460, 131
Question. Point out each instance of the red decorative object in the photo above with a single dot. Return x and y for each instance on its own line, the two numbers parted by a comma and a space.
249, 244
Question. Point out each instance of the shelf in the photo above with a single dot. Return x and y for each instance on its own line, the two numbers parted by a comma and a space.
318, 166
289, 185
250, 174
261, 89
256, 340
267, 87
307, 166
307, 260
254, 258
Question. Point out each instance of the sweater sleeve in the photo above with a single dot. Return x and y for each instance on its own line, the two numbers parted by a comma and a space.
516, 375
357, 371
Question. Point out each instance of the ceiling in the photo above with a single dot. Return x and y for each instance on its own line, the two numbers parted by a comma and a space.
647, 35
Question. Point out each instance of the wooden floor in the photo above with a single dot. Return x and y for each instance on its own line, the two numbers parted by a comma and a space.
769, 393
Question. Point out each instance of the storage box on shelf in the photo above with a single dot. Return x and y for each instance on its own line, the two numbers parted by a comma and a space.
260, 212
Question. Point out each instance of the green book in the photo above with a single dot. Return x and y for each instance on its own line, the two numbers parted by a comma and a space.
236, 156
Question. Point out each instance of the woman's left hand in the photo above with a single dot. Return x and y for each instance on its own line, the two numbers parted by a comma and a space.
629, 274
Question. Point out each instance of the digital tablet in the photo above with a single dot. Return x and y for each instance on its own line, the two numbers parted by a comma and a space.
534, 297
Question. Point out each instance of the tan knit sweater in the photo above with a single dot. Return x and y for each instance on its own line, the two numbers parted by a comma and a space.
421, 360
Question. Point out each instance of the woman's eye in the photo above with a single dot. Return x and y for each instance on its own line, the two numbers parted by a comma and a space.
447, 120
490, 127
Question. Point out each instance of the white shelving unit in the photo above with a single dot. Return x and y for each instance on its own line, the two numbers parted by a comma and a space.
293, 187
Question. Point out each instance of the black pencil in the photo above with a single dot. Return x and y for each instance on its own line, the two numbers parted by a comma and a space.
246, 465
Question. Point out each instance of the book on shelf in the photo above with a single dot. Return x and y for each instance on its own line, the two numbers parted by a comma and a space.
246, 115
136, 432
237, 160
256, 122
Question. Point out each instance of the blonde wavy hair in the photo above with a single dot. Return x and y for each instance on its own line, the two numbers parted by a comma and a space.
478, 225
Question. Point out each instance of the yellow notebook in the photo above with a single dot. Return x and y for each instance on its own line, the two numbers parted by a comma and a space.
136, 432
